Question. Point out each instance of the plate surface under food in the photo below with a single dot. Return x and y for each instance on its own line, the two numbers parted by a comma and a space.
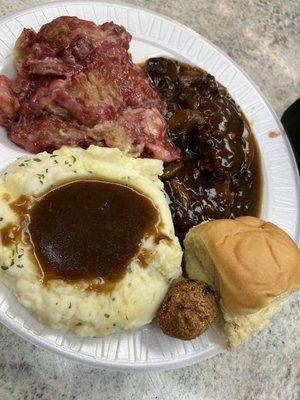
154, 34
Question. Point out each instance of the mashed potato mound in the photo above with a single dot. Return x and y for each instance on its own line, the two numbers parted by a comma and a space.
135, 298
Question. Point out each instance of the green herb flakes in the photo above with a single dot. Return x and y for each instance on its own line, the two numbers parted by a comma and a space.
106, 315
4, 267
37, 160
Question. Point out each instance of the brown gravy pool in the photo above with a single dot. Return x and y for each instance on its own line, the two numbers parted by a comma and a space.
88, 230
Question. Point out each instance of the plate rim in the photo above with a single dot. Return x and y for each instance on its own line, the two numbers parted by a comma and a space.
176, 362
170, 364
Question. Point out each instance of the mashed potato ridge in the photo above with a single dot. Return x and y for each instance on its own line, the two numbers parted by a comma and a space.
134, 299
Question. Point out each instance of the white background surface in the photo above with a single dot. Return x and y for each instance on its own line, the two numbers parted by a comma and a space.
263, 369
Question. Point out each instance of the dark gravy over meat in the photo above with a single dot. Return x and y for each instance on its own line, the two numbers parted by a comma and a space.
218, 175
89, 229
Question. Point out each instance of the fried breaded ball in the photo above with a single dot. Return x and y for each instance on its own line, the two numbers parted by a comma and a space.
187, 310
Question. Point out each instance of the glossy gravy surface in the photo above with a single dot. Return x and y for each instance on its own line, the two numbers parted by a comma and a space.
90, 229
218, 175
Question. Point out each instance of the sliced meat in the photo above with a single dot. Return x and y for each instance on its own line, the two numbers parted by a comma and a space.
48, 132
146, 127
77, 85
108, 85
135, 132
22, 45
9, 103
64, 46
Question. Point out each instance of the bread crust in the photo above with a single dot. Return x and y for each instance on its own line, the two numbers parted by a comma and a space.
255, 261
252, 265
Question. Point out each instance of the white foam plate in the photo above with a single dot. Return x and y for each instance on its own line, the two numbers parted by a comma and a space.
154, 34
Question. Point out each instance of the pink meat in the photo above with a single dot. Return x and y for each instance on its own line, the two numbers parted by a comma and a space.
49, 132
65, 45
136, 131
22, 46
77, 85
146, 129
9, 103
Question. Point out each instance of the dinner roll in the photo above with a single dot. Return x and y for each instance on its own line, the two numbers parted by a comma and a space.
251, 264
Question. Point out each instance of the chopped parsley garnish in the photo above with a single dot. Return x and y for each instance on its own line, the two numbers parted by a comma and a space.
41, 177
53, 155
106, 315
1, 219
20, 266
22, 165
70, 305
37, 159
18, 252
4, 267
74, 159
